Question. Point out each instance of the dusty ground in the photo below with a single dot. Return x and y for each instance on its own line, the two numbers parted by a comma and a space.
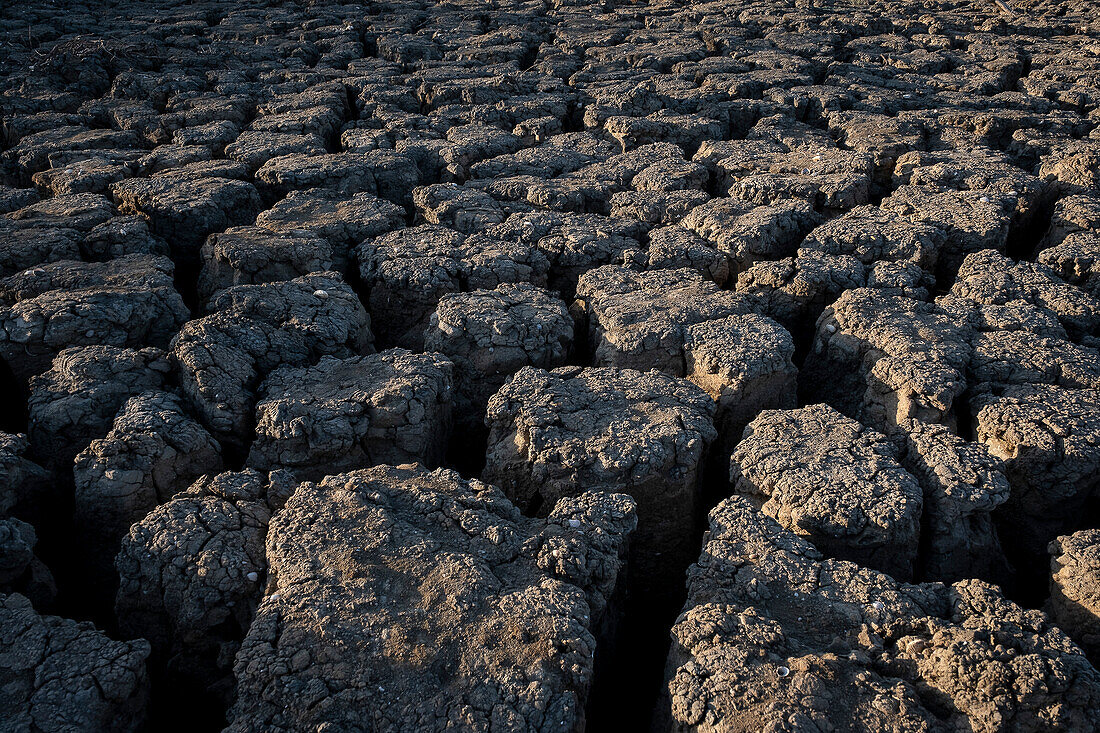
547, 366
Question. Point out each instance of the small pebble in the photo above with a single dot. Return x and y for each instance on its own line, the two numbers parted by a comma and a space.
574, 523
253, 576
322, 294
783, 671
830, 328
878, 605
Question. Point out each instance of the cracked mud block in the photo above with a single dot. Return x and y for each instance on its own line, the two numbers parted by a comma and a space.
887, 359
748, 233
252, 329
1076, 259
977, 169
685, 131
744, 364
12, 199
345, 220
774, 637
76, 401
658, 208
25, 247
409, 270
871, 235
490, 335
1072, 166
674, 247
254, 148
639, 319
20, 569
555, 434
990, 278
1021, 357
383, 173
341, 414
1075, 587
1047, 437
152, 452
463, 209
254, 255
27, 490
121, 236
827, 179
80, 211
963, 484
184, 210
63, 675
833, 481
796, 290
1072, 214
127, 302
969, 221
377, 553
192, 571
573, 243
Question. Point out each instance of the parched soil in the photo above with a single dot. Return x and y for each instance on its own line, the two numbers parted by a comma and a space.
549, 366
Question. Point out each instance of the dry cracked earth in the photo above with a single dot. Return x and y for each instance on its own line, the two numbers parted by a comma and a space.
550, 365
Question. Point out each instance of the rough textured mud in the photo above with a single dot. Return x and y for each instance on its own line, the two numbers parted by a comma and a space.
567, 248
393, 407
62, 675
495, 629
775, 636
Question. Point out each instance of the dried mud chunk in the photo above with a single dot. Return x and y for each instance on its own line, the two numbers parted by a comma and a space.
888, 359
341, 414
573, 243
463, 209
254, 255
833, 481
1021, 357
1075, 587
990, 278
638, 320
674, 247
748, 233
152, 452
671, 175
185, 210
491, 334
255, 148
1072, 214
343, 219
251, 330
512, 647
128, 302
61, 675
22, 248
1049, 439
76, 400
871, 234
744, 364
385, 174
970, 221
192, 571
686, 131
80, 211
409, 270
559, 433
121, 236
659, 208
1073, 165
795, 290
1076, 259
20, 569
963, 484
12, 199
27, 490
774, 637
